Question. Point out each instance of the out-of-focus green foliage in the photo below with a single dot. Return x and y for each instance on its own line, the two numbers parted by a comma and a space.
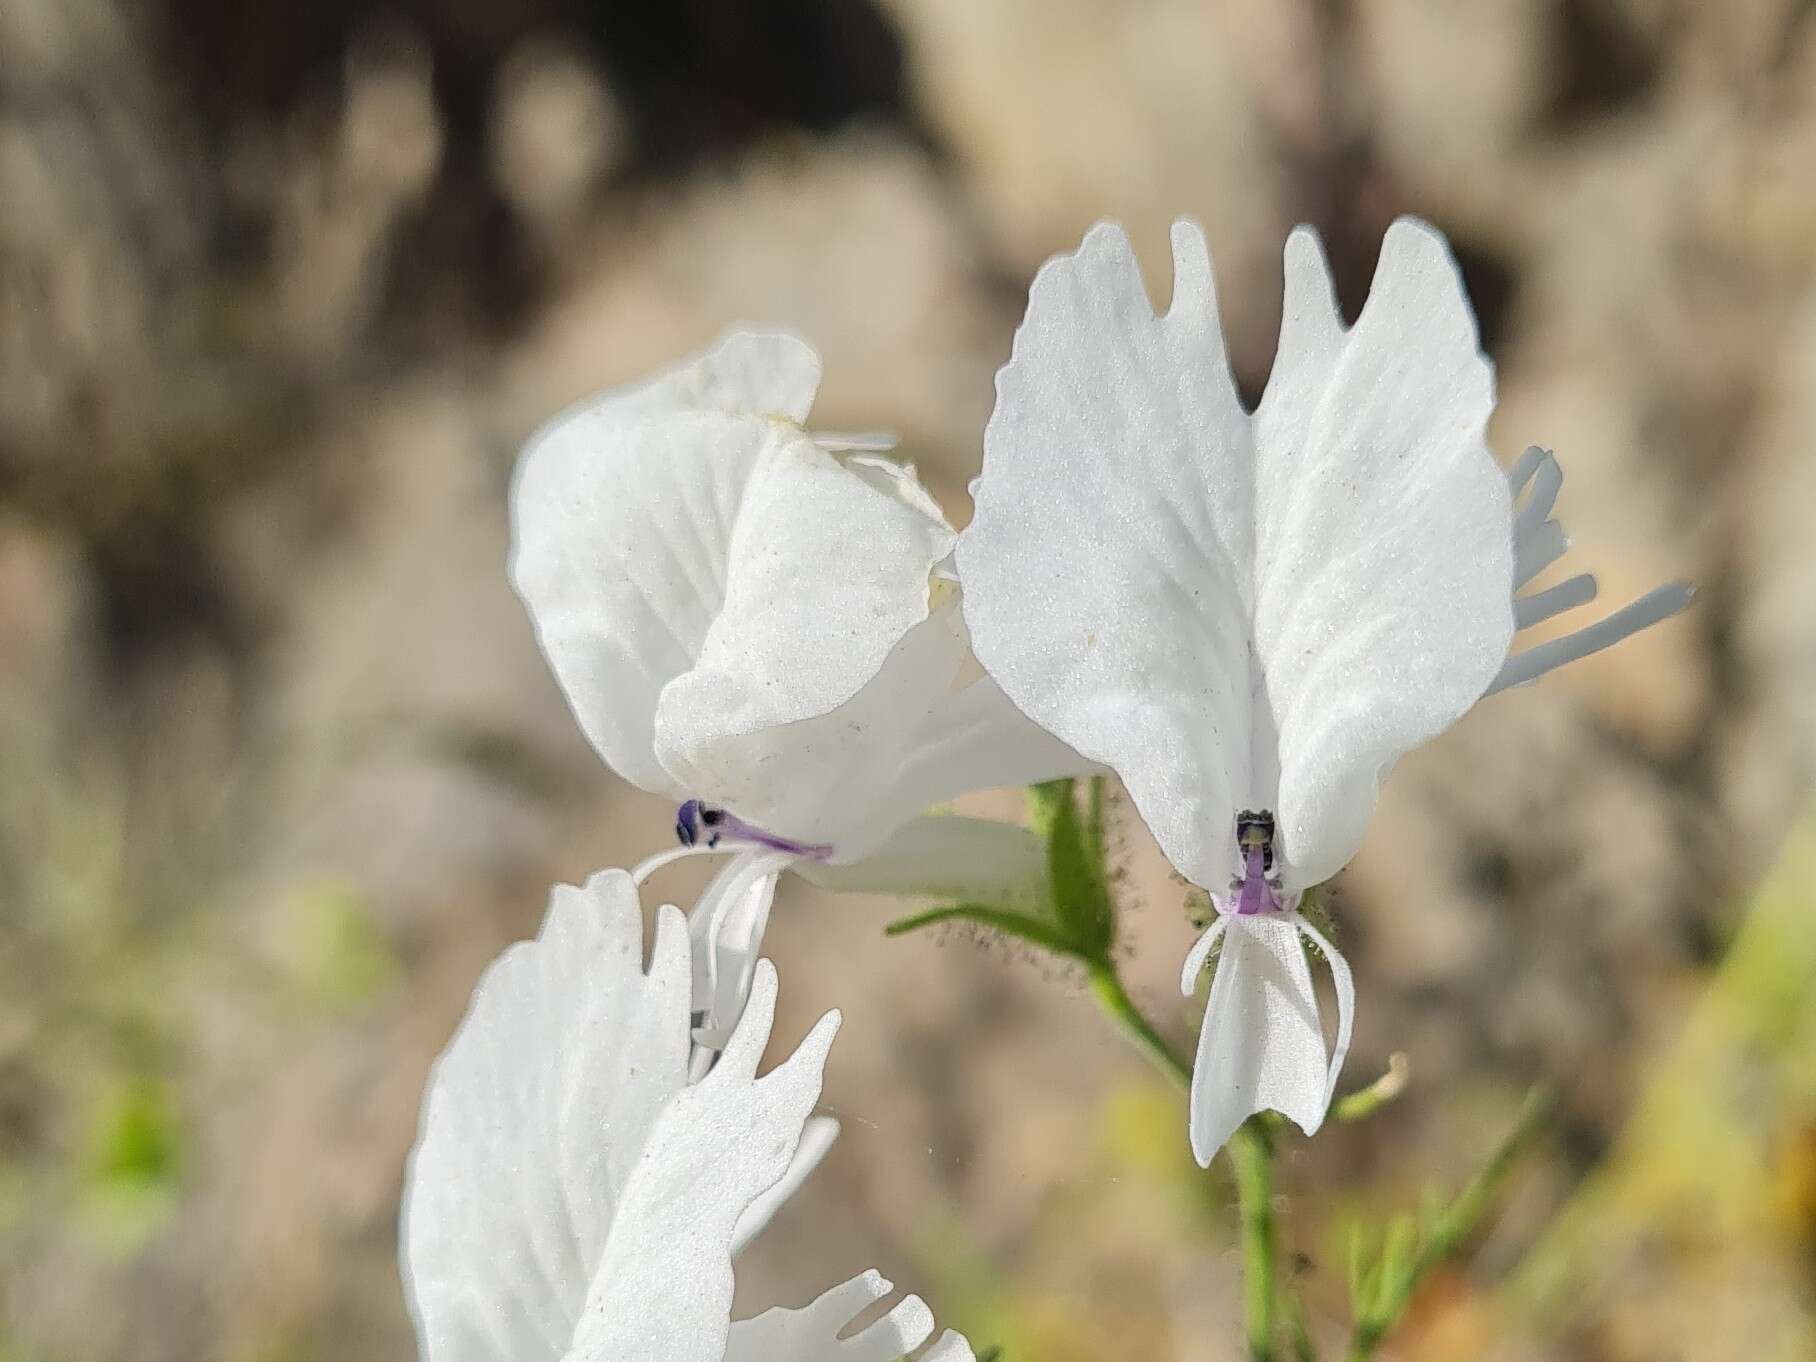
1713, 1183
344, 960
131, 1177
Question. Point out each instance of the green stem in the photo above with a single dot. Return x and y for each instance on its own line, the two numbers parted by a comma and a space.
1365, 1102
1115, 1001
1251, 1156
1448, 1232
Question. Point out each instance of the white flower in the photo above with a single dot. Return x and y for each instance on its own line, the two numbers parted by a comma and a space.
573, 1198
1249, 617
763, 626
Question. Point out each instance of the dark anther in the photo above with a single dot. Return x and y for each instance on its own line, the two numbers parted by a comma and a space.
1255, 829
687, 822
697, 821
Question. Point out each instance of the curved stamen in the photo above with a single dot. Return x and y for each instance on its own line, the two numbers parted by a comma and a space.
649, 865
1200, 952
1346, 1001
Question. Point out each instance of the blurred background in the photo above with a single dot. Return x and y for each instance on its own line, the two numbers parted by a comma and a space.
282, 289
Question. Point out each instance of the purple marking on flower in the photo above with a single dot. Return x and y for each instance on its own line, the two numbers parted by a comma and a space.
699, 823
1255, 893
688, 822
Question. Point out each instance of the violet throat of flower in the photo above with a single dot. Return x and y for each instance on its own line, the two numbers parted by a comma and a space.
1255, 893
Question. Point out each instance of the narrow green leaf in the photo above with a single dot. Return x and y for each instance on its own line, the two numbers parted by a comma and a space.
1081, 897
1396, 1264
1298, 1331
1024, 926
1044, 802
1431, 1208
1094, 816
1360, 1270
1410, 1253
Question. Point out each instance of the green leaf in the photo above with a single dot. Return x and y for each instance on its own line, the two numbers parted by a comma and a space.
1431, 1208
1396, 1264
1024, 926
134, 1166
1298, 1331
1045, 800
1094, 815
1361, 1270
345, 960
1075, 874
138, 1142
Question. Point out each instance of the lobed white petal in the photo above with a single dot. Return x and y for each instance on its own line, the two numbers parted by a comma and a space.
817, 1138
570, 1195
742, 613
811, 1334
976, 739
1382, 569
1104, 568
1236, 612
824, 774
664, 1285
703, 576
827, 568
773, 374
622, 511
534, 1123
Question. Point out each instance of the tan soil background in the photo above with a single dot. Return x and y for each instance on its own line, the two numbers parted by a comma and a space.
282, 291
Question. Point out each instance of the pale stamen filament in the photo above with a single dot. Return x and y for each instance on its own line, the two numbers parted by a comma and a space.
1523, 469
1660, 603
649, 865
1546, 483
1538, 542
1554, 600
1544, 546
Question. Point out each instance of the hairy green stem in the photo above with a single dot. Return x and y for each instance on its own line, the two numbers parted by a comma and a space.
1106, 983
1250, 1151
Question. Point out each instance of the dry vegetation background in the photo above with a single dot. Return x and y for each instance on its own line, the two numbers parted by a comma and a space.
283, 287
